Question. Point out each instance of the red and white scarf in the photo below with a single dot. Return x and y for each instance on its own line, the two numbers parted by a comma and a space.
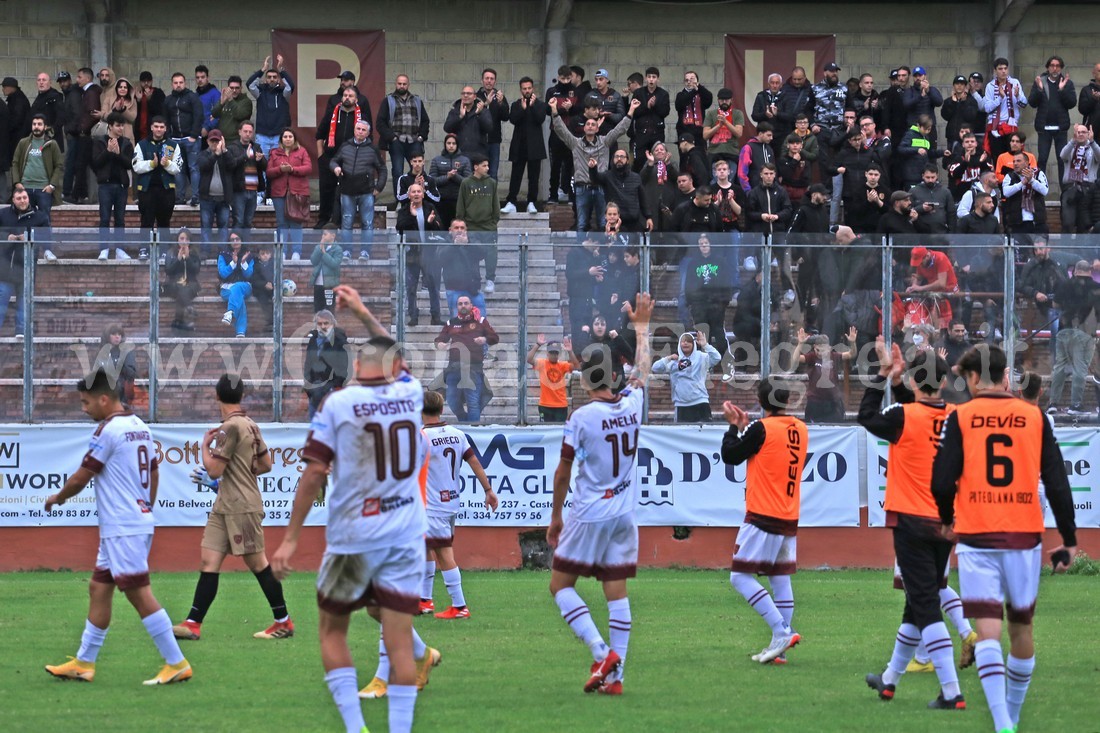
336, 118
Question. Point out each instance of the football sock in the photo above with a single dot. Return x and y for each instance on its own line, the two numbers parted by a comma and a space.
576, 615
205, 591
453, 580
759, 599
159, 627
991, 671
921, 655
344, 687
273, 590
419, 647
429, 579
1017, 678
383, 671
937, 640
401, 706
904, 646
90, 642
783, 595
952, 607
618, 625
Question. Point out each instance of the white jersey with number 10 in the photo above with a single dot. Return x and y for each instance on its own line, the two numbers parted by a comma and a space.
447, 448
370, 434
602, 437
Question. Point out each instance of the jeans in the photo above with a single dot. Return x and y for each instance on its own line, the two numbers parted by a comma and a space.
267, 143
6, 290
234, 294
1059, 138
476, 298
189, 171
464, 400
399, 153
70, 164
834, 202
492, 150
1073, 352
41, 200
425, 266
244, 209
291, 230
112, 205
365, 204
487, 244
589, 197
209, 212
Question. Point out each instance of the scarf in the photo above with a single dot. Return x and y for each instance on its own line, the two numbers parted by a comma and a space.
475, 315
1028, 201
336, 118
662, 173
1078, 165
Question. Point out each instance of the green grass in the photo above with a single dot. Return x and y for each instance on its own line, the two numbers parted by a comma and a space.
515, 666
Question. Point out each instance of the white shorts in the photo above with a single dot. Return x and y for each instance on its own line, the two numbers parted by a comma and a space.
606, 550
764, 553
389, 577
899, 582
989, 580
123, 561
441, 531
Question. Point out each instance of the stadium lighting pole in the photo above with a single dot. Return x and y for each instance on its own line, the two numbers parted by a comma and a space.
399, 292
277, 332
521, 404
1008, 306
887, 255
154, 321
765, 270
643, 284
28, 326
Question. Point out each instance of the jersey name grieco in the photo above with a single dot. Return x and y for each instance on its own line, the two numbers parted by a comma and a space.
122, 455
447, 448
370, 434
603, 438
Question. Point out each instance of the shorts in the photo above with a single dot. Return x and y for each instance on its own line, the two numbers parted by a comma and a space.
389, 577
123, 561
606, 550
234, 534
441, 531
553, 414
991, 579
764, 553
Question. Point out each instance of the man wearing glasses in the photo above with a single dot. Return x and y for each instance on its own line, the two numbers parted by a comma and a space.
233, 109
1054, 98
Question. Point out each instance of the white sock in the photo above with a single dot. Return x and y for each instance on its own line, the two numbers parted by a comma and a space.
937, 640
783, 595
905, 644
576, 615
159, 627
402, 704
344, 687
991, 671
1017, 678
90, 642
618, 625
760, 600
952, 607
921, 655
429, 579
383, 671
419, 647
453, 580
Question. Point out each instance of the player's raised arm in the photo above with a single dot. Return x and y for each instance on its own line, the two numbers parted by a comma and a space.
348, 298
640, 314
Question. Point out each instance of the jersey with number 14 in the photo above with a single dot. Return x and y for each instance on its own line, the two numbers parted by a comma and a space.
370, 434
602, 439
447, 448
122, 455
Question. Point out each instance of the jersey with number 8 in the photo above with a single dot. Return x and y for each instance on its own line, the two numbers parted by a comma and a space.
122, 455
602, 438
370, 434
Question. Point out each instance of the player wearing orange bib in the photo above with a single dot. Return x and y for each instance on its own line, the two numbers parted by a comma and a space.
913, 430
775, 448
986, 483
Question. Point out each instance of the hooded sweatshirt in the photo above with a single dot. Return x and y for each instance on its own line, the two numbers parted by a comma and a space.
688, 373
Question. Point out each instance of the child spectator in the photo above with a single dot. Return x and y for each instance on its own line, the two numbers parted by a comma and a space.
553, 397
687, 370
326, 258
263, 285
119, 360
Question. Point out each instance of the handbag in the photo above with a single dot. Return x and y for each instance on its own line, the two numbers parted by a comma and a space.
297, 206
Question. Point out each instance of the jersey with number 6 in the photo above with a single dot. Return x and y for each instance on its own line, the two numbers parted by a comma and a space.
370, 435
122, 455
602, 439
448, 447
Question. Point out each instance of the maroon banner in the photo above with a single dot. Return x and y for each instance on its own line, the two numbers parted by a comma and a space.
751, 59
315, 59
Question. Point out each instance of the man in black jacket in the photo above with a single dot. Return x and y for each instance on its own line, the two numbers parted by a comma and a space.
218, 166
333, 129
50, 103
623, 186
16, 223
358, 165
325, 364
1053, 98
649, 120
470, 120
769, 206
527, 149
497, 106
112, 159
185, 118
72, 94
692, 103
403, 126
899, 219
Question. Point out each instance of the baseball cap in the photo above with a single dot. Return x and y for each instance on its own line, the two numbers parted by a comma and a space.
725, 93
960, 79
977, 76
919, 71
831, 66
9, 81
899, 196
554, 346
893, 73
917, 255
685, 137
347, 75
214, 135
1082, 268
603, 73
63, 75
817, 188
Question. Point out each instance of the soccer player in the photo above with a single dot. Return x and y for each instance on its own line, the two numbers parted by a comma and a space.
986, 483
369, 434
775, 448
122, 460
600, 539
912, 427
233, 455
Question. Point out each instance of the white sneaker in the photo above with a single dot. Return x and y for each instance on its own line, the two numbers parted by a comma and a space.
563, 195
227, 319
779, 644
120, 254
509, 208
531, 208
49, 255
102, 254
490, 286
295, 257
729, 376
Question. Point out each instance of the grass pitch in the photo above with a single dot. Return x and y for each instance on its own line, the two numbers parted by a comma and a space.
515, 666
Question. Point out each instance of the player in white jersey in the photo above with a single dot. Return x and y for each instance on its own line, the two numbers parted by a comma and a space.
122, 460
601, 538
369, 435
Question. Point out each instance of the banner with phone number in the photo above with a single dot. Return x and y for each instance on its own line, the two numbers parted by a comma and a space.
681, 479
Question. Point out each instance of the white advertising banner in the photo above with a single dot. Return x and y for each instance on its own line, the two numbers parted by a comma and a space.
681, 478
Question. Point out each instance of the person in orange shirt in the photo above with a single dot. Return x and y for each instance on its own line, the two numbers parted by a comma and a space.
912, 427
1003, 165
985, 480
553, 399
775, 448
